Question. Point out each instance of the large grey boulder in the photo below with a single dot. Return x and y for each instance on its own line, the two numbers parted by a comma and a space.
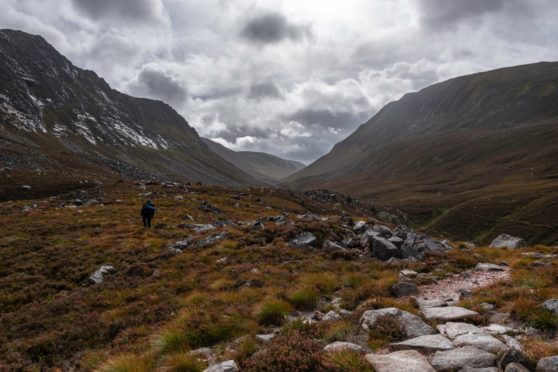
428, 343
413, 325
468, 356
448, 313
548, 364
383, 249
227, 366
343, 346
472, 369
484, 342
406, 360
514, 367
508, 241
456, 329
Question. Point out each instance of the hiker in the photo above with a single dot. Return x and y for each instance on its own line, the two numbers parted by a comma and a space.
147, 212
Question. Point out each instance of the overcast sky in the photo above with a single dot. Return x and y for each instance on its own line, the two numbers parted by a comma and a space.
290, 77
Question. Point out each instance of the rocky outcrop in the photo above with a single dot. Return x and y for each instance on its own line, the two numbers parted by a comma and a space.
406, 360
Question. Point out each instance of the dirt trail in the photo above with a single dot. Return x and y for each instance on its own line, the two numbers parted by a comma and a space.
468, 280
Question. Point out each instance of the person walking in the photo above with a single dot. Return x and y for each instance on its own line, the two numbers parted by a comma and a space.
147, 213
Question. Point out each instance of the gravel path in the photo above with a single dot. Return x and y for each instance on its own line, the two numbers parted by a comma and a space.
469, 280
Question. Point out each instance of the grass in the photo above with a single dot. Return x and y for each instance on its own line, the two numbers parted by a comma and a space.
272, 312
129, 363
305, 298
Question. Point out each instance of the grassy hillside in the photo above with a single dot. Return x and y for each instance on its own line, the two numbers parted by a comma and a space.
470, 157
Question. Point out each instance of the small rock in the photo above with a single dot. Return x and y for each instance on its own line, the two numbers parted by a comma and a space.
551, 305
25, 187
227, 366
264, 339
403, 289
497, 329
426, 343
331, 246
409, 273
406, 360
331, 315
487, 307
304, 239
98, 276
472, 369
467, 356
203, 352
514, 367
489, 267
222, 260
508, 241
448, 313
340, 345
548, 364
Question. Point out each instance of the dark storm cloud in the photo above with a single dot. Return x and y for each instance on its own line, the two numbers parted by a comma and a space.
160, 85
328, 119
264, 90
272, 27
131, 9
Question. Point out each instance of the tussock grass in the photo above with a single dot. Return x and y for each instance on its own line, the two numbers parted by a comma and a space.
272, 312
305, 298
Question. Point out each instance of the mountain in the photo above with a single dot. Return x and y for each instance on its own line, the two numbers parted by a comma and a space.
264, 167
61, 126
472, 156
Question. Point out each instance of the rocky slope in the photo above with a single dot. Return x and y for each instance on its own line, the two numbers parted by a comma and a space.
264, 167
471, 156
59, 124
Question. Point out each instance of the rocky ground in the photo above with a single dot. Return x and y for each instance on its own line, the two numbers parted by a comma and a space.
260, 280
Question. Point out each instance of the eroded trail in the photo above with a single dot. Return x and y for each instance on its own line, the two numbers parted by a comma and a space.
469, 280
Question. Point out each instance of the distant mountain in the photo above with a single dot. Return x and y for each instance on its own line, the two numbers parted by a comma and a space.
60, 124
472, 156
264, 167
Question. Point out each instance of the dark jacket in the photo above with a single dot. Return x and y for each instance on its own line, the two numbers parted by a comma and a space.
148, 210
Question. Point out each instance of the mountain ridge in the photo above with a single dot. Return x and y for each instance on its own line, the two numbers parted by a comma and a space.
74, 117
456, 143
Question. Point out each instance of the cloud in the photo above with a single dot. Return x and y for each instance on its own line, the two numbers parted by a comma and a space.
287, 77
264, 90
162, 85
136, 10
439, 14
273, 27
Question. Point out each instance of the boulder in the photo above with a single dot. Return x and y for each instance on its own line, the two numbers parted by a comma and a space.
548, 364
456, 329
448, 313
180, 245
304, 239
383, 249
409, 248
432, 245
428, 343
413, 325
382, 230
403, 289
359, 226
227, 366
409, 273
98, 275
342, 346
482, 341
514, 367
489, 267
397, 241
508, 241
366, 239
406, 360
551, 305
472, 369
468, 356
331, 246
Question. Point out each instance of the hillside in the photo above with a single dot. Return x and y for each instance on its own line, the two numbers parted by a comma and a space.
472, 156
61, 126
264, 167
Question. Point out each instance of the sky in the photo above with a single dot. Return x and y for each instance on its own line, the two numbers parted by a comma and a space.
287, 77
